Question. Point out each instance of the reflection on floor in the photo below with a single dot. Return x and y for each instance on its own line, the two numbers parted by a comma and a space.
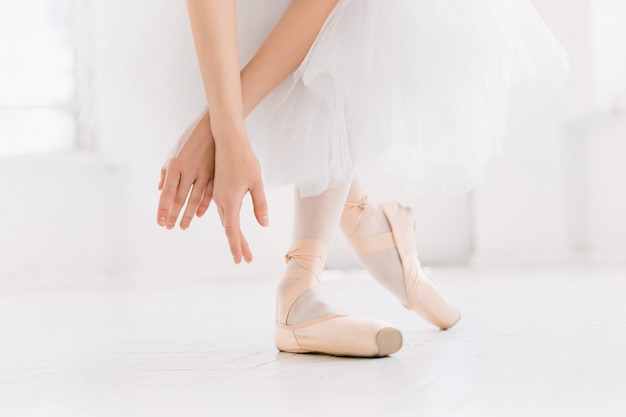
532, 342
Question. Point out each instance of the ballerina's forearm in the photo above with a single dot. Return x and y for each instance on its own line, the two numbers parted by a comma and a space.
284, 49
281, 53
214, 27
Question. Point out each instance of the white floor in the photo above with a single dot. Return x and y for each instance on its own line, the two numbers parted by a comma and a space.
532, 342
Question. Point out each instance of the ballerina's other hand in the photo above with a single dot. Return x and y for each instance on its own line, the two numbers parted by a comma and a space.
191, 171
237, 172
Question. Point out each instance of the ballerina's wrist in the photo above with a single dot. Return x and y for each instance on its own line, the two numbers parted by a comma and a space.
229, 135
226, 122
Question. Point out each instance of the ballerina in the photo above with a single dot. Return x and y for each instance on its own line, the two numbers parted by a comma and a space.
426, 87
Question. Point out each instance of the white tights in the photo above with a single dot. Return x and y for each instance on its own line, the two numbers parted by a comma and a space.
318, 218
385, 266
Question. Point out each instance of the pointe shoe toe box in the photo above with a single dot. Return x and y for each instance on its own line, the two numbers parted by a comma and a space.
340, 336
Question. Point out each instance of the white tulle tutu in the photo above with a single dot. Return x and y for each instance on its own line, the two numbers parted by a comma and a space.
427, 87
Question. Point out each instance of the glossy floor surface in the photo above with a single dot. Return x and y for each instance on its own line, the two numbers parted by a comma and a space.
532, 342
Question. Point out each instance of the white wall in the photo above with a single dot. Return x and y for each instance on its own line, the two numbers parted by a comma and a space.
596, 187
59, 215
609, 53
523, 210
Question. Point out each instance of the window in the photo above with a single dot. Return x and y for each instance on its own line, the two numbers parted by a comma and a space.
37, 76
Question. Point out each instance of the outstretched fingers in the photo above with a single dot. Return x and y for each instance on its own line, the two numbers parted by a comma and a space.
194, 202
169, 187
236, 241
245, 249
206, 199
163, 172
259, 201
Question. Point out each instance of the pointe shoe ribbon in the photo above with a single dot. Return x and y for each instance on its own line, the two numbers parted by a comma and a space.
352, 211
311, 255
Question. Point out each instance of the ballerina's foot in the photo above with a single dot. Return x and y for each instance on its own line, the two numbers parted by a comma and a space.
383, 236
306, 324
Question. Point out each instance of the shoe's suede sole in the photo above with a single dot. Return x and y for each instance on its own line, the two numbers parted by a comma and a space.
389, 340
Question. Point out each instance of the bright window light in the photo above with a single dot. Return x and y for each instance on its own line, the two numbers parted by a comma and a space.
37, 76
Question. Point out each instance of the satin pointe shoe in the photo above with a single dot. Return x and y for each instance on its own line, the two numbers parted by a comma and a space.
332, 334
423, 297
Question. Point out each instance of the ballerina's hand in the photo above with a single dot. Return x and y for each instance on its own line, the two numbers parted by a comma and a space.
192, 171
237, 172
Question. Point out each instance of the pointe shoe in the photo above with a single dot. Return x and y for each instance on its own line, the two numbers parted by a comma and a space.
423, 296
334, 334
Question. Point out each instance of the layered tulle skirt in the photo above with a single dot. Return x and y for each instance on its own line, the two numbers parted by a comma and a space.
426, 87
